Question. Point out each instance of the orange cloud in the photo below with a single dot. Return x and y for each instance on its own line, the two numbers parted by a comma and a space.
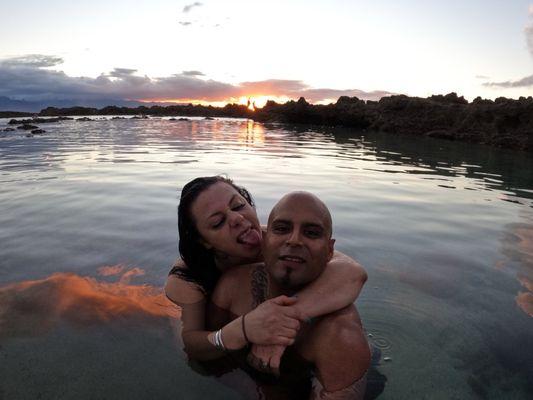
40, 82
35, 307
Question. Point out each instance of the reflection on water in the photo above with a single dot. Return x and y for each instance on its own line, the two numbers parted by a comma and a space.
33, 308
443, 229
518, 246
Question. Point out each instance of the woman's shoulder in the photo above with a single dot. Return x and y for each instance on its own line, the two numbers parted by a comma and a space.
179, 290
238, 275
238, 271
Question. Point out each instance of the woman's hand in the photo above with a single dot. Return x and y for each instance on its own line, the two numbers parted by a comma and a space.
273, 322
266, 358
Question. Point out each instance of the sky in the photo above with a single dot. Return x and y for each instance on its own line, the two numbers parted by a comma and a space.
220, 51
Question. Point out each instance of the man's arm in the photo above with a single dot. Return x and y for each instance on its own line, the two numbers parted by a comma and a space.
338, 286
337, 346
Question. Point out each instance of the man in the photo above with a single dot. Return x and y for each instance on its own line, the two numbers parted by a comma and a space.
296, 249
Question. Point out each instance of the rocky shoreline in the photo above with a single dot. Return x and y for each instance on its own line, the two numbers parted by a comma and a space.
504, 123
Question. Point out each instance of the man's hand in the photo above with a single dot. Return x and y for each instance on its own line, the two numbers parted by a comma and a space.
273, 322
266, 358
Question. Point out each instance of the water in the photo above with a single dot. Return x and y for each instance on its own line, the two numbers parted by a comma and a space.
88, 233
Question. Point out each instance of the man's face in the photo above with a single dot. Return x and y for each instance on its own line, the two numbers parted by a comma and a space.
298, 244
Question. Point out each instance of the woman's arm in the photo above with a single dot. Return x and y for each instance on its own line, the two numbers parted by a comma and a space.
337, 287
267, 324
199, 342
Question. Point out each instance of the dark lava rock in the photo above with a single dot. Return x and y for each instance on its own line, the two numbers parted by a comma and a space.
38, 131
84, 119
118, 118
187, 119
37, 120
27, 127
441, 134
29, 135
209, 118
172, 119
9, 129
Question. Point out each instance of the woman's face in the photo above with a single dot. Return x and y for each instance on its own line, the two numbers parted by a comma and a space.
226, 222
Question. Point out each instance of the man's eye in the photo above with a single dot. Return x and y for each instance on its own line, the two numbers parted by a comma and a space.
313, 234
280, 229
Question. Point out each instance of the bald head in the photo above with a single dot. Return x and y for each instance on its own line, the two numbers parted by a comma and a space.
298, 199
298, 243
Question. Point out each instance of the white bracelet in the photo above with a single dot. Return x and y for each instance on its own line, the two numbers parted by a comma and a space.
219, 344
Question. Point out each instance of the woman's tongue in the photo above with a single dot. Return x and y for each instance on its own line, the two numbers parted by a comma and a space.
250, 237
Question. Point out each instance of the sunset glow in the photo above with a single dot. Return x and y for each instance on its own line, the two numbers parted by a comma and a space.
258, 100
394, 48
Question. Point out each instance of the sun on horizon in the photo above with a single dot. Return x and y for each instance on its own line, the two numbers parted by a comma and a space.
252, 102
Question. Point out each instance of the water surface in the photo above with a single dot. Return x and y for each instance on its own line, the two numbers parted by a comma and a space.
88, 233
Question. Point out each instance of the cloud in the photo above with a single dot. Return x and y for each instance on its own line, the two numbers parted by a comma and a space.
185, 23
528, 80
32, 61
524, 82
189, 7
296, 88
29, 78
192, 73
482, 77
122, 72
528, 30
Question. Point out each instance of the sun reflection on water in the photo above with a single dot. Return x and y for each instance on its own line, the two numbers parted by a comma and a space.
35, 307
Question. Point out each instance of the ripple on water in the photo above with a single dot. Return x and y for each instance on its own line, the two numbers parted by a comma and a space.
394, 325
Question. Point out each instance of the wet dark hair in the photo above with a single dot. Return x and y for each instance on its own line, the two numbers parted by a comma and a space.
200, 261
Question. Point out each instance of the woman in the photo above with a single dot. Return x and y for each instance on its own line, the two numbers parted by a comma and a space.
219, 229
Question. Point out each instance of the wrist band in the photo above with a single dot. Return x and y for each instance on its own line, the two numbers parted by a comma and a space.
219, 344
244, 330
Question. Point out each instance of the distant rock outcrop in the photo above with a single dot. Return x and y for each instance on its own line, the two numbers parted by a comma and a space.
505, 123
37, 120
27, 127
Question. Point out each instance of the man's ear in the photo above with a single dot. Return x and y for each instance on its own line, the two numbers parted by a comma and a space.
331, 248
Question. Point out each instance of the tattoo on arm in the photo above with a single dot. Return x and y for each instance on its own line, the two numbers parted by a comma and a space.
259, 285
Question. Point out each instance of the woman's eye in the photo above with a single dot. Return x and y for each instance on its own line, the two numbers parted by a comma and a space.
238, 206
218, 224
